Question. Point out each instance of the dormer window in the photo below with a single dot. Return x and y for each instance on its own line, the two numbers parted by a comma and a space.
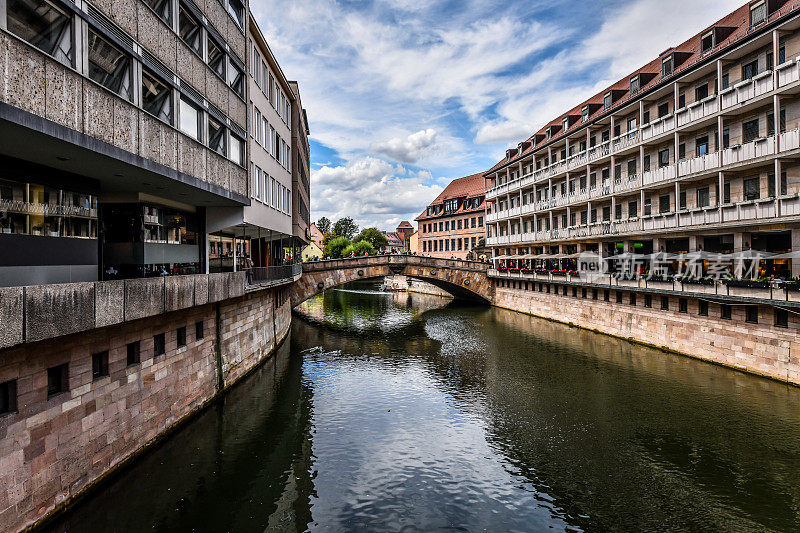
549, 134
565, 123
635, 84
608, 99
585, 113
758, 13
707, 42
667, 66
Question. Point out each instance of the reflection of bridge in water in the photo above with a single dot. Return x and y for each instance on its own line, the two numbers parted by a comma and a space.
463, 279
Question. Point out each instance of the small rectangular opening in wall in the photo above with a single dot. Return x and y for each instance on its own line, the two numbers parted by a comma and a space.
665, 303
594, 294
633, 298
648, 300
100, 365
133, 353
574, 292
548, 288
683, 305
583, 292
752, 314
8, 397
181, 334
565, 290
781, 318
702, 308
199, 330
725, 311
57, 380
606, 295
159, 344
619, 297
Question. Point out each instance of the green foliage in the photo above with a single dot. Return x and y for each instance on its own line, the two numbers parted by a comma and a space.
324, 225
359, 248
336, 246
374, 237
345, 227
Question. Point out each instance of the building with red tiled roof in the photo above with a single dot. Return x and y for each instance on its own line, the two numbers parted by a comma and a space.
452, 224
697, 150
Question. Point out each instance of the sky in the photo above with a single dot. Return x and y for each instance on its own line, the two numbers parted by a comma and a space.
404, 96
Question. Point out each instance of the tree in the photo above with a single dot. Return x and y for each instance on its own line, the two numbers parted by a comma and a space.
345, 227
336, 246
359, 248
324, 225
371, 235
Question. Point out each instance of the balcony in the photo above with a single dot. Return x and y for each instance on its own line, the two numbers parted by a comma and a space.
789, 140
699, 164
658, 127
658, 175
758, 148
600, 151
627, 183
788, 72
748, 89
577, 161
625, 141
698, 110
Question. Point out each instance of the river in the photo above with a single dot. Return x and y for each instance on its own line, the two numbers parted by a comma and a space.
404, 412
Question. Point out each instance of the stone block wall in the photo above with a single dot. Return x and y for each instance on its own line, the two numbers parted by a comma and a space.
56, 445
760, 348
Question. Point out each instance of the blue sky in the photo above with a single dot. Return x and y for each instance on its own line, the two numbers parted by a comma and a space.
403, 96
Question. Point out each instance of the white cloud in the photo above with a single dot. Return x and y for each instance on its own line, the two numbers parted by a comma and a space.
408, 150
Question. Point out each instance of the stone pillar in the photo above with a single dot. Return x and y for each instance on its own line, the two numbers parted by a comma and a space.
695, 243
627, 246
741, 242
795, 247
659, 245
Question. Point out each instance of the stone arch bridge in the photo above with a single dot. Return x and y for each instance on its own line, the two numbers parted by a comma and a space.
463, 279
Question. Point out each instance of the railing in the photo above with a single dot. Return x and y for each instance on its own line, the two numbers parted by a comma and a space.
600, 151
18, 206
658, 127
788, 72
699, 164
625, 184
789, 140
763, 83
752, 150
659, 174
624, 141
273, 274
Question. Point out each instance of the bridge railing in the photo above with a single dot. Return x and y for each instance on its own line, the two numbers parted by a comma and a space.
272, 275
397, 259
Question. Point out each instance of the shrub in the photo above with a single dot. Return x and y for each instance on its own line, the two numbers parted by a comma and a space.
336, 247
359, 248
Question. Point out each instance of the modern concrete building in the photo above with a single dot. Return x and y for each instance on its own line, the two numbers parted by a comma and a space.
453, 223
121, 124
695, 151
301, 171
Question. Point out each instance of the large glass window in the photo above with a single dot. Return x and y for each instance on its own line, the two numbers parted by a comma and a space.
236, 78
749, 130
29, 208
190, 31
237, 150
156, 96
216, 137
752, 189
109, 66
216, 58
43, 25
190, 120
162, 8
236, 8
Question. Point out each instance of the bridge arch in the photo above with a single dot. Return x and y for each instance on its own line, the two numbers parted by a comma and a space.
463, 279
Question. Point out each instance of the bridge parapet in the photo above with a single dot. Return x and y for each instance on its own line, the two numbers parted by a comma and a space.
379, 260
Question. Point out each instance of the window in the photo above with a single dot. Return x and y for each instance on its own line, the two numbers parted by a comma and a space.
702, 308
159, 345
181, 335
726, 137
236, 9
646, 163
585, 113
43, 25
663, 203
665, 303
236, 78
752, 314
100, 365
681, 151
749, 70
663, 157
607, 100
707, 42
156, 97
216, 58
57, 380
632, 209
162, 8
681, 100
633, 298
726, 81
701, 146
683, 305
725, 311
663, 110
133, 353
646, 117
8, 397
190, 122
217, 137
682, 200
190, 31
749, 130
619, 297
648, 301
109, 66
667, 66
752, 189
703, 197
480, 222
758, 13
237, 150
635, 85
648, 207
701, 92
726, 192
781, 321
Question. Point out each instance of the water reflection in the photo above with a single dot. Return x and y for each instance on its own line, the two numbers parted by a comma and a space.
408, 412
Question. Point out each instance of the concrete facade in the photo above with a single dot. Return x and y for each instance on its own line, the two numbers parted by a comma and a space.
54, 446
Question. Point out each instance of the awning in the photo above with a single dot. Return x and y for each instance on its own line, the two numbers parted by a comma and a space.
747, 254
788, 255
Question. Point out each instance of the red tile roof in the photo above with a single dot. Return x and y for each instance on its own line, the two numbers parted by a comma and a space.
738, 20
405, 224
467, 187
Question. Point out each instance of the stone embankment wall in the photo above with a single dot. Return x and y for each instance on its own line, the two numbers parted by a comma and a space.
56, 445
758, 348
